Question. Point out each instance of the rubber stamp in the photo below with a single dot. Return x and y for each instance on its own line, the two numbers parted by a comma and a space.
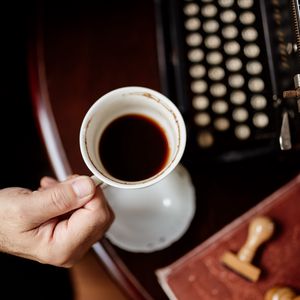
281, 293
260, 230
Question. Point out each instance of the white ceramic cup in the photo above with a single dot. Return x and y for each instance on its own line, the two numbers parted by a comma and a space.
126, 101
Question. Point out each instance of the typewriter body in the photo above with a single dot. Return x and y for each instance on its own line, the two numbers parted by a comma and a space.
232, 68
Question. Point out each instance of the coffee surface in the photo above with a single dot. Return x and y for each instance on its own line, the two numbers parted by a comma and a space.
133, 148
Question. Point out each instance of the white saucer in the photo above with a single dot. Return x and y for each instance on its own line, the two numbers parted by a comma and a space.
152, 218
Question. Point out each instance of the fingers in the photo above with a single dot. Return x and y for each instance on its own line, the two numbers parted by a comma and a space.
47, 182
75, 235
59, 199
57, 224
94, 214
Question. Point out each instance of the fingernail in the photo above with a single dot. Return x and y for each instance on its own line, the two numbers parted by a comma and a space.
83, 187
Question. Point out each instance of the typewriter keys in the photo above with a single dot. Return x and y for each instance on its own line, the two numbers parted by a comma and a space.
240, 114
233, 64
245, 3
226, 3
228, 16
216, 73
242, 132
258, 102
220, 107
238, 97
191, 9
254, 67
232, 47
230, 32
200, 102
247, 18
249, 34
195, 55
221, 124
210, 26
260, 120
225, 68
214, 57
209, 10
197, 71
221, 77
192, 24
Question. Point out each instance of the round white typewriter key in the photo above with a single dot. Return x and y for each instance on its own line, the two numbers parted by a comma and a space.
238, 97
197, 71
232, 47
228, 16
249, 34
200, 102
194, 39
195, 55
251, 50
202, 119
258, 102
199, 86
221, 124
247, 18
236, 80
233, 64
205, 139
212, 41
214, 57
210, 26
254, 67
220, 106
218, 90
240, 114
260, 120
226, 3
192, 24
242, 132
216, 73
209, 10
230, 32
245, 3
256, 85
191, 9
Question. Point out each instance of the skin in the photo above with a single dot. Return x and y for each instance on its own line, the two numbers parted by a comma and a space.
56, 224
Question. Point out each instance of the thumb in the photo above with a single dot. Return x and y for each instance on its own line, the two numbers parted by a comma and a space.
61, 198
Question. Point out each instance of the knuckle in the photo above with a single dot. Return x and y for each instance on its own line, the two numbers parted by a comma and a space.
61, 199
105, 218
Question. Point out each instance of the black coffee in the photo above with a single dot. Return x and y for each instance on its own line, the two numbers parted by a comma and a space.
133, 147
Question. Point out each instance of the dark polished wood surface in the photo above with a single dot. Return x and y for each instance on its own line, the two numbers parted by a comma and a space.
90, 49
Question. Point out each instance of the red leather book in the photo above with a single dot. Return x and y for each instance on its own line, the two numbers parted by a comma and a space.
200, 275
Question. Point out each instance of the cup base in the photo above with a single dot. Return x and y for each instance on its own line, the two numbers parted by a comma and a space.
152, 218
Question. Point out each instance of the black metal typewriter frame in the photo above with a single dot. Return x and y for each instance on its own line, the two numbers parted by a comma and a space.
281, 67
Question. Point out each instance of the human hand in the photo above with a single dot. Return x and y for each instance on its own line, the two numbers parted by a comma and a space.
55, 225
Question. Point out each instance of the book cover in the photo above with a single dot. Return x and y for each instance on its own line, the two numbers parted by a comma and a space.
200, 274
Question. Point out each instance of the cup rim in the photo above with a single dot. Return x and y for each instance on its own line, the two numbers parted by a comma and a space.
155, 95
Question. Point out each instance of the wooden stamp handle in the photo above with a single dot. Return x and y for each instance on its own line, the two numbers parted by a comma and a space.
260, 230
281, 293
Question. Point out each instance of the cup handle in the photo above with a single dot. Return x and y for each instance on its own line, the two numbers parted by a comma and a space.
98, 182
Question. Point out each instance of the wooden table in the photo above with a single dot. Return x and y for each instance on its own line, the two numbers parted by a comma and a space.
83, 50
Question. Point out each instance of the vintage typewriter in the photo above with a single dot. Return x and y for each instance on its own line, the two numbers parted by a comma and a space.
232, 68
